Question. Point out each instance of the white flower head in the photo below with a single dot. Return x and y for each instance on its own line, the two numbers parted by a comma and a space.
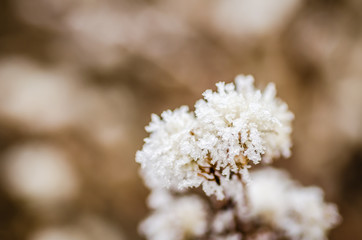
164, 160
299, 212
177, 218
247, 124
229, 129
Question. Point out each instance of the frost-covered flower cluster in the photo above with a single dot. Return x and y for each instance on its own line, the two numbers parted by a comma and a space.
274, 201
299, 212
230, 129
214, 147
175, 218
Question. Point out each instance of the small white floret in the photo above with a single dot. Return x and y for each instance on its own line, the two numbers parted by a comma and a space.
176, 219
300, 212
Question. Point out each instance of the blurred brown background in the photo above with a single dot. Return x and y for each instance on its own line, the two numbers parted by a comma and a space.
80, 78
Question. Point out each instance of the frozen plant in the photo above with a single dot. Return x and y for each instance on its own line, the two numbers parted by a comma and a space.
230, 129
213, 148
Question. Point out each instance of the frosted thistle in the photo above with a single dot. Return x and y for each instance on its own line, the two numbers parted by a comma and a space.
231, 129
